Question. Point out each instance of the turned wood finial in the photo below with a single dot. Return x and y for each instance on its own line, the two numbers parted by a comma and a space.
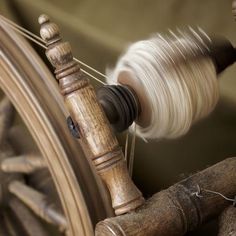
49, 31
58, 52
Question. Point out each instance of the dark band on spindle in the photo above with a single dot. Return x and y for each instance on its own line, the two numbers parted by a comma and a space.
120, 105
222, 53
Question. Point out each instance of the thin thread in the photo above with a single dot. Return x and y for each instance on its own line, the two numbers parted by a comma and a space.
39, 41
132, 150
91, 68
199, 194
26, 35
13, 24
126, 145
93, 77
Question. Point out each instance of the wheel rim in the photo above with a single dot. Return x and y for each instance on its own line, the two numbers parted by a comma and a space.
28, 82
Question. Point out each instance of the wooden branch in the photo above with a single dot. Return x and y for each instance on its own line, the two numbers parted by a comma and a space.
175, 211
90, 120
227, 225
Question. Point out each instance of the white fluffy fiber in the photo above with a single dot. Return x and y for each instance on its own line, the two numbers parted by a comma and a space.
180, 83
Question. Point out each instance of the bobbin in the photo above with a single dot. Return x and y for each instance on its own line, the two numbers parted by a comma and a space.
221, 52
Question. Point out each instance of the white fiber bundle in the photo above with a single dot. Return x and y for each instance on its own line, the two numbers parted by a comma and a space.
178, 80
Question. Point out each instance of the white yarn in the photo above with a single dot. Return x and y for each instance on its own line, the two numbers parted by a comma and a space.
179, 82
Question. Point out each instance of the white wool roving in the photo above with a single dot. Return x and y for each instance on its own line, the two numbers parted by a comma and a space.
178, 80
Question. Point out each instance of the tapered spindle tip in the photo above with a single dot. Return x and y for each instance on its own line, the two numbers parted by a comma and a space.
43, 19
58, 52
49, 31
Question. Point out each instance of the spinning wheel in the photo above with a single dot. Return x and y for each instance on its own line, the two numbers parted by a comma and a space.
182, 64
57, 159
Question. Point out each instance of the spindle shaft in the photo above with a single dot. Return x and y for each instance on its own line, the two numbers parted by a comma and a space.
90, 120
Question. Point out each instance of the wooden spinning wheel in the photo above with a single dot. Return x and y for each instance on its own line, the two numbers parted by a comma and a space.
26, 83
54, 181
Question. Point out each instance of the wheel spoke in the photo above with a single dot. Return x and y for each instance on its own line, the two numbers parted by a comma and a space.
38, 203
6, 117
30, 223
10, 225
23, 164
3, 229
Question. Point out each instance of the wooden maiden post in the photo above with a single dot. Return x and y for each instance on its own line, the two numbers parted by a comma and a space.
88, 116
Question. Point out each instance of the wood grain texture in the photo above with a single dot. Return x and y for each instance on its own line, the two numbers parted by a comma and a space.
33, 92
176, 210
89, 118
106, 155
39, 204
227, 225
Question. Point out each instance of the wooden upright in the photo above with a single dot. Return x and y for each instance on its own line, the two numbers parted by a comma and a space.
88, 116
